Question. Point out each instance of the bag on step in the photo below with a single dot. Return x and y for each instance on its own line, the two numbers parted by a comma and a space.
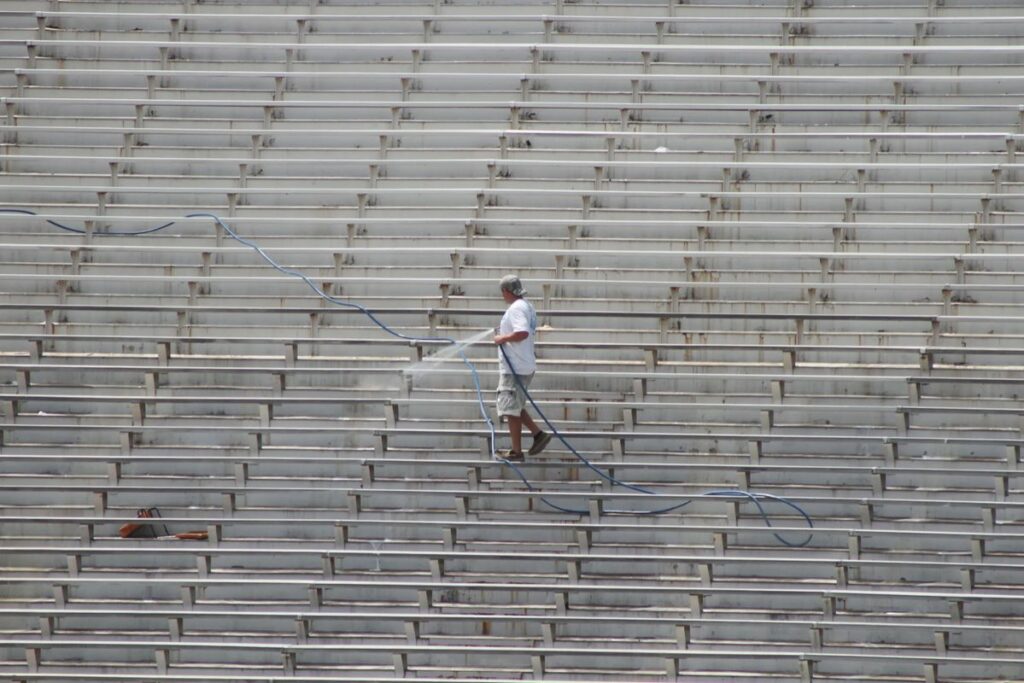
139, 529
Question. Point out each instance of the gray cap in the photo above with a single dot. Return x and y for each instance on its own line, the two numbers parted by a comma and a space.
512, 285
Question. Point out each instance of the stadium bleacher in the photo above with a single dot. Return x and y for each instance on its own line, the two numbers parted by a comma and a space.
774, 246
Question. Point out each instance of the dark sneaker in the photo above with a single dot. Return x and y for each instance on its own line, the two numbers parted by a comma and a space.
512, 456
540, 442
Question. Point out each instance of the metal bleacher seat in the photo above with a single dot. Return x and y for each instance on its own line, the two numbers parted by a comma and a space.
773, 246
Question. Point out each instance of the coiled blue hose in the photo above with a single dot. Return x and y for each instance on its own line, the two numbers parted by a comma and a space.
754, 497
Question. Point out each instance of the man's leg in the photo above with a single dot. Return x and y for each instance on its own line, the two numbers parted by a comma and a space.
528, 422
506, 404
515, 432
541, 439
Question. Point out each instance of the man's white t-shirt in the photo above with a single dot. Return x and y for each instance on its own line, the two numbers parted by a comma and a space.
519, 317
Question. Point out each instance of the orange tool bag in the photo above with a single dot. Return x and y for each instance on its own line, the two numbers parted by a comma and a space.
141, 529
148, 530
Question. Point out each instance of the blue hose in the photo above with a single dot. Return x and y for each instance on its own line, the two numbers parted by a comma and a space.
754, 497
62, 226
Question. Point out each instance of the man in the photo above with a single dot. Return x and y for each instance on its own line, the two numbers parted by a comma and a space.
515, 336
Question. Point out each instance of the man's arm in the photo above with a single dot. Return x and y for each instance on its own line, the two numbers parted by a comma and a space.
500, 339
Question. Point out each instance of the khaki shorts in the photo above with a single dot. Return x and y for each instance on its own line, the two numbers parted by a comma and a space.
511, 398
